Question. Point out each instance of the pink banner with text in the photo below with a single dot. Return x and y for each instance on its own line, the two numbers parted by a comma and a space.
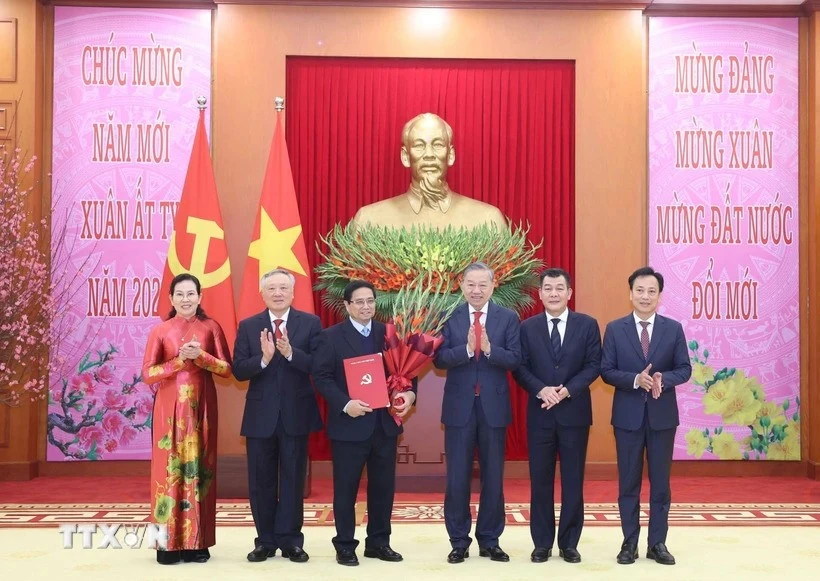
723, 227
125, 114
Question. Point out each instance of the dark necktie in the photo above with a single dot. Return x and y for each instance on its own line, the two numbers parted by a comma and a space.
477, 327
645, 339
555, 337
277, 329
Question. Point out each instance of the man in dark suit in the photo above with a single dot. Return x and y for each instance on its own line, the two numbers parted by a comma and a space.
561, 352
645, 358
481, 343
359, 435
274, 350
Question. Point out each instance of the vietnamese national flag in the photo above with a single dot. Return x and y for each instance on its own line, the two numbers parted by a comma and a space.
277, 240
198, 241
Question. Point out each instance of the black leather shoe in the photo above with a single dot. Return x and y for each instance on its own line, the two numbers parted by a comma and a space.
347, 557
494, 553
260, 554
196, 556
540, 555
169, 557
660, 554
628, 554
457, 555
570, 555
383, 553
295, 554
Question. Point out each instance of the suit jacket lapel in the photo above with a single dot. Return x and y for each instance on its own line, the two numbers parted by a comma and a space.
543, 333
264, 321
492, 318
377, 329
352, 336
632, 335
293, 324
657, 335
462, 316
569, 333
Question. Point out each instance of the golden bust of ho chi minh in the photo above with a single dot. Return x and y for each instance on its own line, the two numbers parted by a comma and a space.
427, 149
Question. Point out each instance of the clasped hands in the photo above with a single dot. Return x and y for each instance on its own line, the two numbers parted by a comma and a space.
190, 350
471, 342
651, 383
552, 395
270, 345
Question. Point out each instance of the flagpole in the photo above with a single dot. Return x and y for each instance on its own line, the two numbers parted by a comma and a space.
209, 262
277, 240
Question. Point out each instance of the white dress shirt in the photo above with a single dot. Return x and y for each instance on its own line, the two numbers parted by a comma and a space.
359, 327
482, 319
639, 329
649, 328
562, 323
282, 327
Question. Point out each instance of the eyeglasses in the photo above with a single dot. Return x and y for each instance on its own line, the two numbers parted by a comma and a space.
362, 302
189, 295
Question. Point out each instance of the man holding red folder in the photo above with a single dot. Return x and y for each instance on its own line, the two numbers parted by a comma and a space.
360, 435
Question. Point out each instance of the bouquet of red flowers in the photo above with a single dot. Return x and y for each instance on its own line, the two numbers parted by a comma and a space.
413, 333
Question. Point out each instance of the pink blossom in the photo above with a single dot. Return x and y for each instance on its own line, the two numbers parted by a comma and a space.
105, 375
113, 423
111, 445
36, 286
128, 435
114, 400
83, 382
145, 405
89, 435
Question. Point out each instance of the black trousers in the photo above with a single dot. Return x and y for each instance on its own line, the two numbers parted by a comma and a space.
378, 453
276, 481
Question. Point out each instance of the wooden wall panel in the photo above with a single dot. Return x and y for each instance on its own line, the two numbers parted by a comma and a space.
8, 134
8, 50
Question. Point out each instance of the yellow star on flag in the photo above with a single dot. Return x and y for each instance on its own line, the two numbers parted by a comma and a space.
274, 248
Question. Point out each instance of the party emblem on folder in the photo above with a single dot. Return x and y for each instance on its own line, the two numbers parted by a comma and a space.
366, 380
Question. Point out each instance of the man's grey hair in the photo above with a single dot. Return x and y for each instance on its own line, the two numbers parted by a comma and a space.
479, 266
405, 132
267, 275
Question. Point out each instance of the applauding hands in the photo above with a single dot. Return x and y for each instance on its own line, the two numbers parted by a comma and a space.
270, 345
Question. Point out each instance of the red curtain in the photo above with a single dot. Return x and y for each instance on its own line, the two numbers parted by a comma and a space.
514, 137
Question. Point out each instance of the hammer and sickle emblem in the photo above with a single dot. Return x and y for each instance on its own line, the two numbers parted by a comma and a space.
366, 379
203, 231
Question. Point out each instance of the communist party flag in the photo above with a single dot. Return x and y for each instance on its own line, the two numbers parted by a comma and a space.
198, 240
277, 240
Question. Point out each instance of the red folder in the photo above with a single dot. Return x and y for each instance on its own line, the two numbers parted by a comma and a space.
366, 380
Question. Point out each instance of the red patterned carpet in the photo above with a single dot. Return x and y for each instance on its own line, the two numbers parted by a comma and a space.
118, 489
48, 502
317, 514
